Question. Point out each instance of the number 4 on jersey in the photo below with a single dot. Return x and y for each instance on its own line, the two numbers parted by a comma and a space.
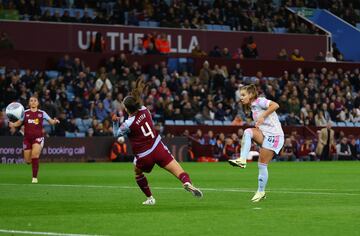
149, 132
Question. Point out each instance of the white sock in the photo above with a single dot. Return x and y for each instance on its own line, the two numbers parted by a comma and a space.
246, 144
263, 176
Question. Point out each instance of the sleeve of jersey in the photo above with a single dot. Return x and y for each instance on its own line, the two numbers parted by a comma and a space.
46, 116
120, 130
264, 103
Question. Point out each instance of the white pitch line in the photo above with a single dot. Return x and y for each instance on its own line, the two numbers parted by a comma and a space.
6, 231
244, 190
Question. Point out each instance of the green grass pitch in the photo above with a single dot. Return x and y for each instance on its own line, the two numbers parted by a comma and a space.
318, 198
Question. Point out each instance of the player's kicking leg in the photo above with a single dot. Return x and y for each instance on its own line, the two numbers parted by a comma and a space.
175, 168
249, 134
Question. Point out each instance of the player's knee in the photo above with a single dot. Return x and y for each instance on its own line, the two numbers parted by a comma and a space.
138, 172
248, 132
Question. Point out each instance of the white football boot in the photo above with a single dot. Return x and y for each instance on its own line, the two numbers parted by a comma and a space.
238, 162
190, 188
34, 180
149, 201
258, 196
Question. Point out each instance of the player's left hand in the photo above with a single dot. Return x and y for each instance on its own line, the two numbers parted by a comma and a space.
56, 121
259, 122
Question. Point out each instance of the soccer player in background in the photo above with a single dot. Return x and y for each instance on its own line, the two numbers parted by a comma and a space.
33, 134
267, 133
147, 145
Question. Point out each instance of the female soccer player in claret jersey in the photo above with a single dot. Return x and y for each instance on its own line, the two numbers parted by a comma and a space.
33, 134
267, 133
147, 145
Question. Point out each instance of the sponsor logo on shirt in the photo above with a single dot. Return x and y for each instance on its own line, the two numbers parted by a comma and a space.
34, 121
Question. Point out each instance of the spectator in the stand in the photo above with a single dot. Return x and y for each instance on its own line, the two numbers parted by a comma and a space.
197, 52
238, 54
119, 152
139, 48
329, 57
306, 151
282, 55
296, 56
218, 149
188, 111
100, 112
336, 52
230, 149
97, 43
151, 50
226, 54
210, 139
292, 119
320, 57
237, 121
86, 18
250, 48
288, 151
205, 75
343, 150
216, 52
65, 64
326, 141
162, 44
355, 115
353, 148
199, 137
320, 119
5, 42
333, 112
103, 83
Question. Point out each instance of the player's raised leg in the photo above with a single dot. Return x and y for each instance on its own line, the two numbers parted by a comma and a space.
143, 184
265, 157
27, 156
249, 135
35, 154
175, 168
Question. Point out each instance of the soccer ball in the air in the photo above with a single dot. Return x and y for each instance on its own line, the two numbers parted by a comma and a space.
15, 111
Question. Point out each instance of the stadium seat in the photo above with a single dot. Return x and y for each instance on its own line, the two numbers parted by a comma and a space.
169, 122
179, 122
227, 122
218, 122
225, 28
208, 122
143, 23
52, 74
341, 124
80, 134
70, 135
349, 124
153, 24
189, 122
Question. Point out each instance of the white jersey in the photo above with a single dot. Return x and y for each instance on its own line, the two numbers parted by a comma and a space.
271, 125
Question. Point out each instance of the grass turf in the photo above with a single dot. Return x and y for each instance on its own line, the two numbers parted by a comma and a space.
318, 198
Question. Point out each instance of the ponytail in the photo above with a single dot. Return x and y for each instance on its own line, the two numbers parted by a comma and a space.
133, 102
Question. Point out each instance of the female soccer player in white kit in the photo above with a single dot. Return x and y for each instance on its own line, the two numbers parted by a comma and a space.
267, 133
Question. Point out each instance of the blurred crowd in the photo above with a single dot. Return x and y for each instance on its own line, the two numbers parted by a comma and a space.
244, 15
75, 92
348, 10
296, 148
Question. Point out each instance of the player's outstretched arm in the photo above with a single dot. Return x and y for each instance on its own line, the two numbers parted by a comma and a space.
15, 124
54, 121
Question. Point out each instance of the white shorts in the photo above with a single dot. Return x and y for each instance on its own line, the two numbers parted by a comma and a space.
274, 143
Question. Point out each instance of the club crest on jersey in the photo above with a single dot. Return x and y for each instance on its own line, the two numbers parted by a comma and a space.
39, 115
34, 121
